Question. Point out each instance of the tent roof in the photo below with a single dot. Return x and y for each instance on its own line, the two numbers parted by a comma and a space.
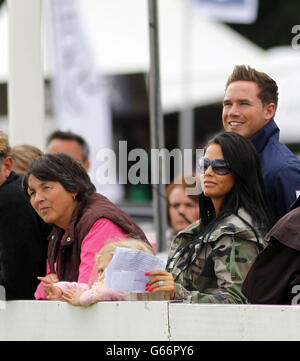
197, 54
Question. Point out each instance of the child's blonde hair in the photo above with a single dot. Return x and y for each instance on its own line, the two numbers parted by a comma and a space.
126, 243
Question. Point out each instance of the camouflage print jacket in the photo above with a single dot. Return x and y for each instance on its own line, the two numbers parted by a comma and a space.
212, 270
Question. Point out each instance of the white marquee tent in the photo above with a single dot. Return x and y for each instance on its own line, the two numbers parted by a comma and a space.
197, 54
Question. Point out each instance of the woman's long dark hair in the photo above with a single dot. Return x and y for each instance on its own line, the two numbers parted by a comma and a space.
62, 168
248, 191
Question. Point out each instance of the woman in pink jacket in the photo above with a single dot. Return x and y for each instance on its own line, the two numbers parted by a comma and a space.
83, 221
82, 294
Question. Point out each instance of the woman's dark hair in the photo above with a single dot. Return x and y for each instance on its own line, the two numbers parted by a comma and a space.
248, 191
62, 168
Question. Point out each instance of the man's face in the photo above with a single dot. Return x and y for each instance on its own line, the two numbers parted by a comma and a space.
5, 168
243, 111
70, 147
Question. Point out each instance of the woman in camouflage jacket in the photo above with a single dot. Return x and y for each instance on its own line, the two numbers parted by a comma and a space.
209, 260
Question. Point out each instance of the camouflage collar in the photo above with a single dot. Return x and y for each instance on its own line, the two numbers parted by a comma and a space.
191, 230
231, 225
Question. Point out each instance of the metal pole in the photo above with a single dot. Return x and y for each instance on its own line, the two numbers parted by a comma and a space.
26, 80
186, 116
157, 126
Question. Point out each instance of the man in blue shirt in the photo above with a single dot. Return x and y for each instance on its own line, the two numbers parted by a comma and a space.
249, 106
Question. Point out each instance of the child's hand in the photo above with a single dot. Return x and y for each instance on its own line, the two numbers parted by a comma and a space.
73, 297
48, 281
54, 293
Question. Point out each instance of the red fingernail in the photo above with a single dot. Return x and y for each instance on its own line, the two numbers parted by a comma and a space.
147, 274
151, 290
147, 289
147, 284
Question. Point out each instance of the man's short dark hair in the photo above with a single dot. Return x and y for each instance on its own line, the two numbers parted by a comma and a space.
68, 135
268, 89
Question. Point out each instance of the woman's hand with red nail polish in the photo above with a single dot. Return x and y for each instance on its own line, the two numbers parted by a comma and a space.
160, 275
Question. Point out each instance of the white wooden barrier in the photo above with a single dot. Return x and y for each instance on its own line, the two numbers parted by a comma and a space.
147, 321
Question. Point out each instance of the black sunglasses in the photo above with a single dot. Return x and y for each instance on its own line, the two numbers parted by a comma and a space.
219, 166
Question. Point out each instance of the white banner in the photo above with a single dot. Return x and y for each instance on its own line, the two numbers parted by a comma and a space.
80, 95
230, 11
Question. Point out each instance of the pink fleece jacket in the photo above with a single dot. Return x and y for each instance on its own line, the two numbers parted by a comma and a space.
102, 232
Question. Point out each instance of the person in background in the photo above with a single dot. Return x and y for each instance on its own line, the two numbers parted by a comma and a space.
182, 203
209, 261
70, 143
61, 192
249, 106
77, 147
23, 234
83, 294
23, 155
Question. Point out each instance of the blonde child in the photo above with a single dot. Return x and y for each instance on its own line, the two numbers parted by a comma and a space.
83, 294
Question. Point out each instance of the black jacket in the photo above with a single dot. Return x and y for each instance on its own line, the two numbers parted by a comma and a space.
23, 241
274, 277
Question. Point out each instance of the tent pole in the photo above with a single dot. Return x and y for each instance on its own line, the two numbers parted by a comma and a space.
157, 126
186, 115
26, 79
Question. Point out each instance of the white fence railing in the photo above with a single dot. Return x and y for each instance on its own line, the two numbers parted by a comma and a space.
150, 321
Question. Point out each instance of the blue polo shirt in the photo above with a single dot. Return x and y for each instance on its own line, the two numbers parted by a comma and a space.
280, 168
